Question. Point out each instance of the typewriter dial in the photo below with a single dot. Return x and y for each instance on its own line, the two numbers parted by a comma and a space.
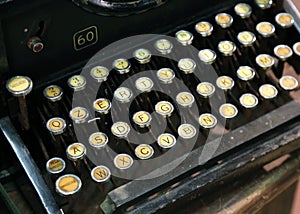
118, 7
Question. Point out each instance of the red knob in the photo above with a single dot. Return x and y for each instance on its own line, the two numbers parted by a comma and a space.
35, 44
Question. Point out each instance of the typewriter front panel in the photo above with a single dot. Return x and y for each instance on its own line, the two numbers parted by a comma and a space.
72, 35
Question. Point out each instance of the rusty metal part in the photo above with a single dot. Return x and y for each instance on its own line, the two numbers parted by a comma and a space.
254, 196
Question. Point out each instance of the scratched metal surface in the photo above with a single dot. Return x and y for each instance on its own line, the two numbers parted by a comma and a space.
250, 194
250, 175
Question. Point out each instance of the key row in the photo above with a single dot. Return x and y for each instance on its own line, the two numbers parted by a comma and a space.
166, 76
187, 65
77, 152
227, 48
225, 20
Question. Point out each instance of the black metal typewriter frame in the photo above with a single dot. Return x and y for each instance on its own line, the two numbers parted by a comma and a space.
222, 169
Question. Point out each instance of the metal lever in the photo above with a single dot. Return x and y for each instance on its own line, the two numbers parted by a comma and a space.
29, 166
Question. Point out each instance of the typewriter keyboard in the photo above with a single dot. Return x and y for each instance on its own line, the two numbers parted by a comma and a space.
99, 129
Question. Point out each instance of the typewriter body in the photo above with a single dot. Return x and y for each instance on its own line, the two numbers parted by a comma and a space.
141, 106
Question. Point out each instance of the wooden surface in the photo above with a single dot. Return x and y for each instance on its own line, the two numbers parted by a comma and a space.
296, 204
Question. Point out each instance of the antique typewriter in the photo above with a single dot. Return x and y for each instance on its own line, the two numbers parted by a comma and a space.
136, 106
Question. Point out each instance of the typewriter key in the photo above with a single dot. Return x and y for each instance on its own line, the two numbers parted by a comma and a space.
77, 82
166, 140
76, 151
185, 99
121, 65
285, 20
98, 140
227, 48
102, 105
283, 52
296, 48
164, 108
165, 75
224, 20
225, 83
207, 121
142, 119
144, 151
246, 38
123, 161
68, 184
205, 89
53, 93
56, 125
248, 100
266, 29
187, 65
268, 91
55, 165
184, 37
265, 61
245, 73
144, 84
123, 94
120, 129
163, 46
228, 111
99, 73
79, 115
100, 174
20, 86
207, 56
186, 131
243, 10
204, 28
288, 82
142, 55
269, 94
264, 4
